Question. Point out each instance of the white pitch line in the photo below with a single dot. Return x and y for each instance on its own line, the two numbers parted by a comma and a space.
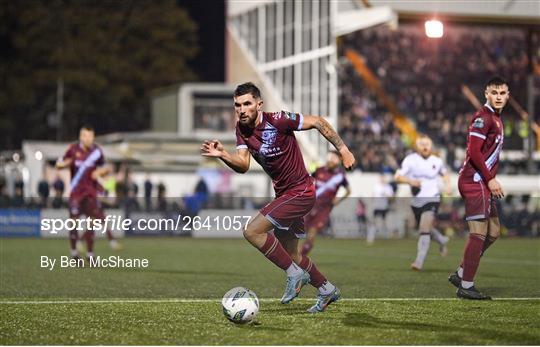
380, 254
128, 301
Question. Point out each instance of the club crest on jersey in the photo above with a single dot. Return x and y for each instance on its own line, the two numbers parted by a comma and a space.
478, 123
269, 136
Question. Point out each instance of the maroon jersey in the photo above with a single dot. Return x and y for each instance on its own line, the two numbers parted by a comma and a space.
84, 162
328, 182
273, 145
487, 126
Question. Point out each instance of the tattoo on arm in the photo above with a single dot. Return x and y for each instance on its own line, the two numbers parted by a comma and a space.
329, 133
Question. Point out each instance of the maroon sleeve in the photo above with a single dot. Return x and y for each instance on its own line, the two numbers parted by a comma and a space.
286, 121
240, 143
479, 126
478, 131
477, 160
70, 153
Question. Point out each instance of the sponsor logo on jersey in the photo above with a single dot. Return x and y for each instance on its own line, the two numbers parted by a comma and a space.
478, 123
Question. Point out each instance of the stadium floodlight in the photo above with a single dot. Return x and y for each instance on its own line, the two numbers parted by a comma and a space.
38, 155
434, 29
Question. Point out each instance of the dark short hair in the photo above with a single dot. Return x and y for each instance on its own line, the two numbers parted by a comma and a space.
247, 88
496, 81
87, 127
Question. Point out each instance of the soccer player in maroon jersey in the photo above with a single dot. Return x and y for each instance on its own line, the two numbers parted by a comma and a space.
479, 187
328, 179
269, 138
85, 161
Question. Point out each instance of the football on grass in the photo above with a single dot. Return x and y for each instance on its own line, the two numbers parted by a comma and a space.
240, 305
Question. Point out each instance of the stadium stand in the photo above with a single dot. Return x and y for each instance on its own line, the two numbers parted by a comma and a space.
425, 78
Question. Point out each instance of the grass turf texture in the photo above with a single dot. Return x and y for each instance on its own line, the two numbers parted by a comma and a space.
205, 269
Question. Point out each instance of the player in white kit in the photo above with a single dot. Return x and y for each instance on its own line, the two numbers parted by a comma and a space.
422, 170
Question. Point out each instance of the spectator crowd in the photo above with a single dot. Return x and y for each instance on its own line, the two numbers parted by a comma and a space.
424, 78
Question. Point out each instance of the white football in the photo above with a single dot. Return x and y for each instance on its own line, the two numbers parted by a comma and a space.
240, 305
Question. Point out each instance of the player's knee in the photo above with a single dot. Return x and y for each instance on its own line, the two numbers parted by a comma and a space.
494, 236
424, 230
250, 233
247, 233
477, 234
494, 229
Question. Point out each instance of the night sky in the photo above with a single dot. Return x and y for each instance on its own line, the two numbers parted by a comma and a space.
209, 64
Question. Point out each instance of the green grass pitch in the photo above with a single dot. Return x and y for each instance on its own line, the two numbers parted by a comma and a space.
177, 299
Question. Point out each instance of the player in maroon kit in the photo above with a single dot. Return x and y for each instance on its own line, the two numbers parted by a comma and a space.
269, 138
85, 161
479, 187
328, 180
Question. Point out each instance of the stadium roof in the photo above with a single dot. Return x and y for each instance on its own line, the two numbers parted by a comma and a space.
512, 10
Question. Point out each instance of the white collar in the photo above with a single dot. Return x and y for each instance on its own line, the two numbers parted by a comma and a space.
489, 106
421, 157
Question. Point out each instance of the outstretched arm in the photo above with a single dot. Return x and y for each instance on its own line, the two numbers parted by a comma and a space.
404, 179
326, 130
337, 200
239, 162
63, 163
100, 172
402, 175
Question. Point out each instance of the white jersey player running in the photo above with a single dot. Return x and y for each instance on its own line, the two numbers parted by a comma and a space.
422, 170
